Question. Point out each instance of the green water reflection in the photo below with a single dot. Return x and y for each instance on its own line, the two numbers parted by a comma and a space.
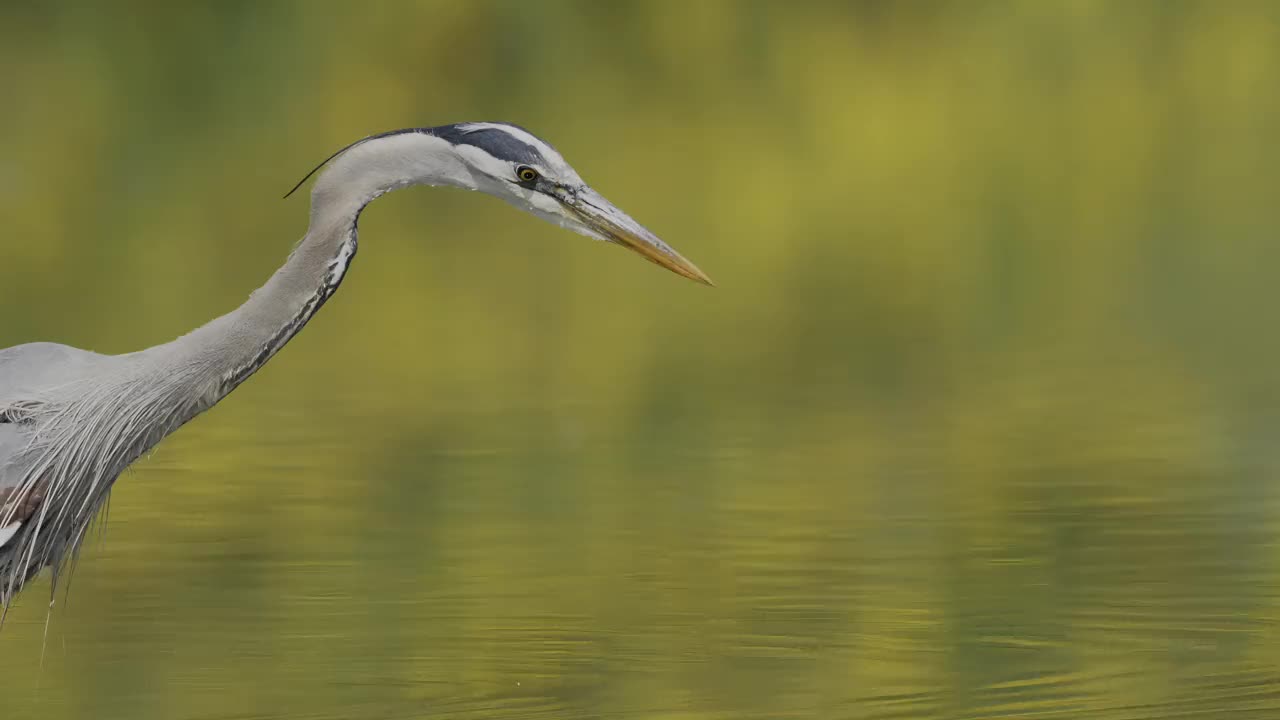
979, 422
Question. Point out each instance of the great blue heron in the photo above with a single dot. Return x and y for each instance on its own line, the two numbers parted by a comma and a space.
72, 420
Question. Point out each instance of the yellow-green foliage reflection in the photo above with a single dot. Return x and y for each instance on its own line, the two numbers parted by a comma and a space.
978, 423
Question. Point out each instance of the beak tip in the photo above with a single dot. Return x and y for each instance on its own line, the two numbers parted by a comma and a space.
681, 266
694, 273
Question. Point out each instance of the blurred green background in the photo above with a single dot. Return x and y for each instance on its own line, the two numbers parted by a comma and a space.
980, 421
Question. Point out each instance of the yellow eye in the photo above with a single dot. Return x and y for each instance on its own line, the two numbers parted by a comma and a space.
526, 173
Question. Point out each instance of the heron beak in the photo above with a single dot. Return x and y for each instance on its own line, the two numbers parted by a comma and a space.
617, 227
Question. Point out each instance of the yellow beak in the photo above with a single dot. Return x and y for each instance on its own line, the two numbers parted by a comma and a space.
617, 227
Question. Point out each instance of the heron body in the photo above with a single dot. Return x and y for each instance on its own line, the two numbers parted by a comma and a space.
72, 420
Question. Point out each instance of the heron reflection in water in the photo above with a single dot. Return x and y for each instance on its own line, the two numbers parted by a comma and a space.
72, 420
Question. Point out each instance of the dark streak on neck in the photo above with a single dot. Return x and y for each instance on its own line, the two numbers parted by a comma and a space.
333, 279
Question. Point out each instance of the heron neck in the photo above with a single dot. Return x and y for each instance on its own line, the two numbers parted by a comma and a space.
277, 311
227, 350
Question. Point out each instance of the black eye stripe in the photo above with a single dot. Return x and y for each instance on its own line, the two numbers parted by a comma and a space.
495, 140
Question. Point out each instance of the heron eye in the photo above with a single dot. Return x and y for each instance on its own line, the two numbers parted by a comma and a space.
526, 173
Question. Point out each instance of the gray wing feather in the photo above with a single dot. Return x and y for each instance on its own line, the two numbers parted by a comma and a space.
70, 421
13, 440
31, 369
13, 467
27, 374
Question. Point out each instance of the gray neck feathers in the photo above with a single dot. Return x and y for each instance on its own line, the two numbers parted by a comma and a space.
226, 351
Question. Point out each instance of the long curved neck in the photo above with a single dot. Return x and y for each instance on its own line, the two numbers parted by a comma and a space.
224, 352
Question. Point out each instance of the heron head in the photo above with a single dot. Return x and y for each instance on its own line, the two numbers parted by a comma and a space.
500, 159
513, 164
